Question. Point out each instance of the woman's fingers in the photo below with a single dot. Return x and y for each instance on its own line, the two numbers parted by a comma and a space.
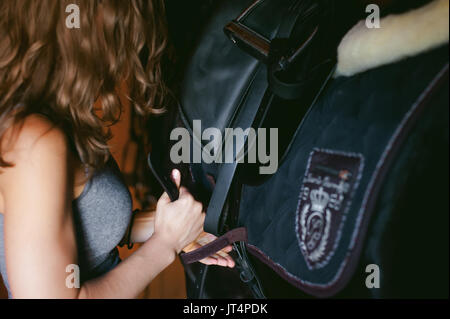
221, 261
228, 249
164, 199
176, 177
221, 258
230, 261
226, 261
216, 259
210, 261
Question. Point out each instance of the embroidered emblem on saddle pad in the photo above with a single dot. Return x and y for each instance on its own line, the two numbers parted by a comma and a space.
327, 190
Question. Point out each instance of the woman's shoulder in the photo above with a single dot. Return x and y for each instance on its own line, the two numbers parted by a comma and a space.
33, 137
37, 152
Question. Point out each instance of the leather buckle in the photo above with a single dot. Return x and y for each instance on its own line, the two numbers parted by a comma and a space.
272, 52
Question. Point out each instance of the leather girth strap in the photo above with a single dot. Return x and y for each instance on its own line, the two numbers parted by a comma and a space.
236, 235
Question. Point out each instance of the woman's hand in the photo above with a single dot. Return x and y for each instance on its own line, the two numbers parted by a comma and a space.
221, 258
179, 223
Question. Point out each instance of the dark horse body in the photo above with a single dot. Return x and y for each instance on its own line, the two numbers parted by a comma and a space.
363, 159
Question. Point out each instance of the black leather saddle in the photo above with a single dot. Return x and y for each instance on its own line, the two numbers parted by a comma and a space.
262, 69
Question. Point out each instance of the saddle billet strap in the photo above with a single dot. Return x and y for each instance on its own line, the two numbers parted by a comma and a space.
219, 197
226, 176
236, 235
166, 183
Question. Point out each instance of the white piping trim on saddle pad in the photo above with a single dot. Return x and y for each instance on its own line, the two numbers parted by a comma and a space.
400, 36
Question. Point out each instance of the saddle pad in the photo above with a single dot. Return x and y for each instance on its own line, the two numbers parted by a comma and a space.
308, 222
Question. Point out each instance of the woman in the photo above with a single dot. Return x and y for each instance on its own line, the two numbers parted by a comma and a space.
62, 200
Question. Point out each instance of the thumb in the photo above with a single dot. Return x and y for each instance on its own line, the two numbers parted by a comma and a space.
176, 177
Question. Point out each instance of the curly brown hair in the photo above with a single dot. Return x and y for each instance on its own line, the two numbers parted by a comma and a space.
47, 68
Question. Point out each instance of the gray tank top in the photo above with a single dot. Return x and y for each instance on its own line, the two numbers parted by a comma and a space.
102, 214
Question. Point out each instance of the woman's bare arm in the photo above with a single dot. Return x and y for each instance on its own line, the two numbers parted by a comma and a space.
38, 227
39, 230
143, 226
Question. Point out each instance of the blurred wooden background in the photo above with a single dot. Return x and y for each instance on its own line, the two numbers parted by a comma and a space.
3, 294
